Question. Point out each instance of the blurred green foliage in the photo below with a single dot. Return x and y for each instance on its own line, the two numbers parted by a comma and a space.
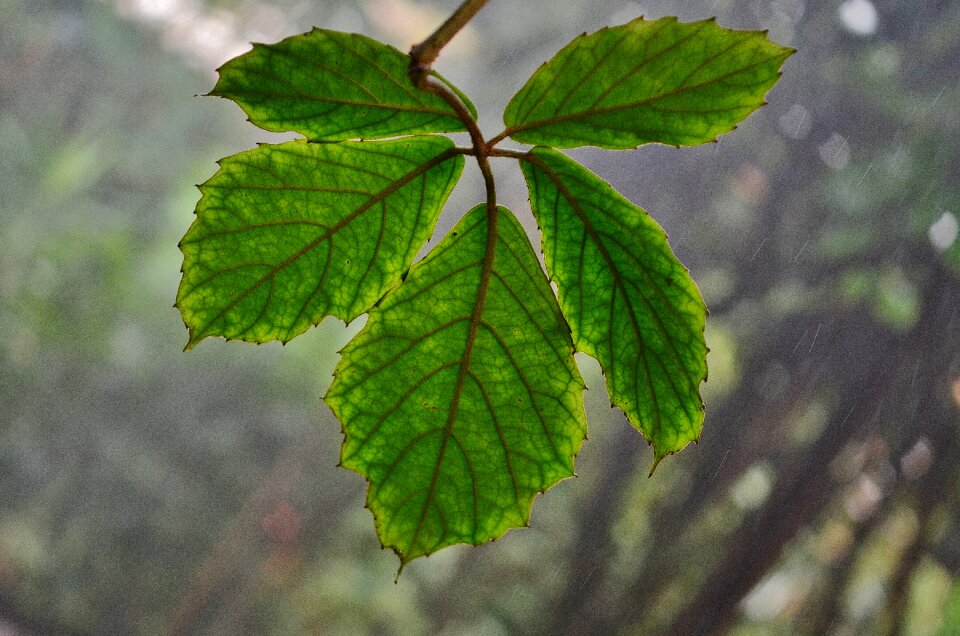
143, 490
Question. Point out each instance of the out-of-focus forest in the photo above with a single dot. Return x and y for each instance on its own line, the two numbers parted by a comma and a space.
144, 490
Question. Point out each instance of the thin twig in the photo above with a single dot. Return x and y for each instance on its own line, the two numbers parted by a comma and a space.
422, 55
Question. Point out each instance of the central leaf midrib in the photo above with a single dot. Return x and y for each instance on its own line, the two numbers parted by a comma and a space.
344, 102
464, 370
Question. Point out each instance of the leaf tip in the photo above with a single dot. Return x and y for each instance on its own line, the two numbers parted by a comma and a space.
656, 462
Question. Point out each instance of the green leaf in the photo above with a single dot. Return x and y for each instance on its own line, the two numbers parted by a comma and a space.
460, 399
288, 234
331, 86
646, 81
630, 303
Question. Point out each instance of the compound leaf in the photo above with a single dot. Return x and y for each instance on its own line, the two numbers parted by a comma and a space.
332, 86
629, 302
460, 399
288, 234
646, 81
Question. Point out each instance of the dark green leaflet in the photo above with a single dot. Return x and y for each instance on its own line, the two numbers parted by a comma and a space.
646, 81
333, 86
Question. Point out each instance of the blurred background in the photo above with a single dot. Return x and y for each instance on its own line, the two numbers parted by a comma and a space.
144, 490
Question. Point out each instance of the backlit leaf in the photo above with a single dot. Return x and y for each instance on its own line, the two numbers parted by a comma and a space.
288, 234
646, 81
629, 302
460, 399
332, 86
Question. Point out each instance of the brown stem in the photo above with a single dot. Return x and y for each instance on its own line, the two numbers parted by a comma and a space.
476, 137
422, 55
500, 152
480, 149
503, 135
